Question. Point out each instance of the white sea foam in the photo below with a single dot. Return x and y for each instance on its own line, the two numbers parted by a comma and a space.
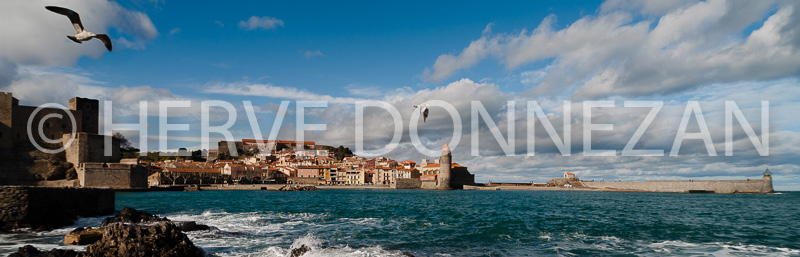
570, 242
715, 249
45, 240
274, 233
316, 250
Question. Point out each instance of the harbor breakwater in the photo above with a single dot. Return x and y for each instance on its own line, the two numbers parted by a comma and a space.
747, 186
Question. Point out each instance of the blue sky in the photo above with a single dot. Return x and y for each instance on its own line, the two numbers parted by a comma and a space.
363, 44
409, 52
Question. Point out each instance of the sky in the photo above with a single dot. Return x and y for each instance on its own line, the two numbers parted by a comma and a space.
410, 52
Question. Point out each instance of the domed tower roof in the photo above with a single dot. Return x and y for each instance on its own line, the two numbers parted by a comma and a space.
445, 149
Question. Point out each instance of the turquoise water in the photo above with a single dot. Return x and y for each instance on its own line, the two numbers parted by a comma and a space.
482, 223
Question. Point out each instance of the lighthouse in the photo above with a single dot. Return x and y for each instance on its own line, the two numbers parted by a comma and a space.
766, 187
445, 162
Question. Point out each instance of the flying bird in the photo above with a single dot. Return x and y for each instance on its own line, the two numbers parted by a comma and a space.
423, 109
80, 34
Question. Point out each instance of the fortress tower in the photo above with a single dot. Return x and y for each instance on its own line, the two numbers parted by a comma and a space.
14, 119
7, 104
445, 162
89, 110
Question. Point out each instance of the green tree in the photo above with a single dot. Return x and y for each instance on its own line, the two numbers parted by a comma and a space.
340, 152
197, 156
126, 149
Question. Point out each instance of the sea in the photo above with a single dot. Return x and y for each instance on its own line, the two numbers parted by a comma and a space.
467, 223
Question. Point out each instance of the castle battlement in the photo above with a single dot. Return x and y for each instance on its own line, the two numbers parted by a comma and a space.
14, 119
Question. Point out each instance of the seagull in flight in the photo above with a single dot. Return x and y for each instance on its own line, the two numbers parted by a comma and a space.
80, 34
423, 109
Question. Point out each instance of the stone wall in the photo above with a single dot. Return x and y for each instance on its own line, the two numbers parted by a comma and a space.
310, 181
14, 120
407, 183
428, 184
44, 207
682, 186
52, 127
113, 175
90, 148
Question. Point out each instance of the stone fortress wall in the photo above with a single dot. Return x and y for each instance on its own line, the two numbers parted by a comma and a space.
14, 120
86, 152
408, 183
113, 175
87, 147
763, 185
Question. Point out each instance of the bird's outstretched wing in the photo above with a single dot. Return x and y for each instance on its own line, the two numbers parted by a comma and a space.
72, 15
106, 41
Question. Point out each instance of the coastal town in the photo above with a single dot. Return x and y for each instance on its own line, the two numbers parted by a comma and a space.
279, 162
85, 161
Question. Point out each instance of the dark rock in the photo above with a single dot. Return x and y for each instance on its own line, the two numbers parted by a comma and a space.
157, 239
59, 170
190, 226
71, 174
129, 233
30, 251
47, 207
130, 215
83, 236
298, 188
297, 252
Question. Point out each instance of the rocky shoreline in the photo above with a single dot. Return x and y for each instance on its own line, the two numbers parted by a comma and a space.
129, 233
134, 233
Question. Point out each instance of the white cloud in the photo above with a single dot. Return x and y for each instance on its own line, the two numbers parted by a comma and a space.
370, 91
61, 84
174, 31
316, 53
265, 23
39, 36
682, 46
135, 45
651, 8
448, 65
269, 90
